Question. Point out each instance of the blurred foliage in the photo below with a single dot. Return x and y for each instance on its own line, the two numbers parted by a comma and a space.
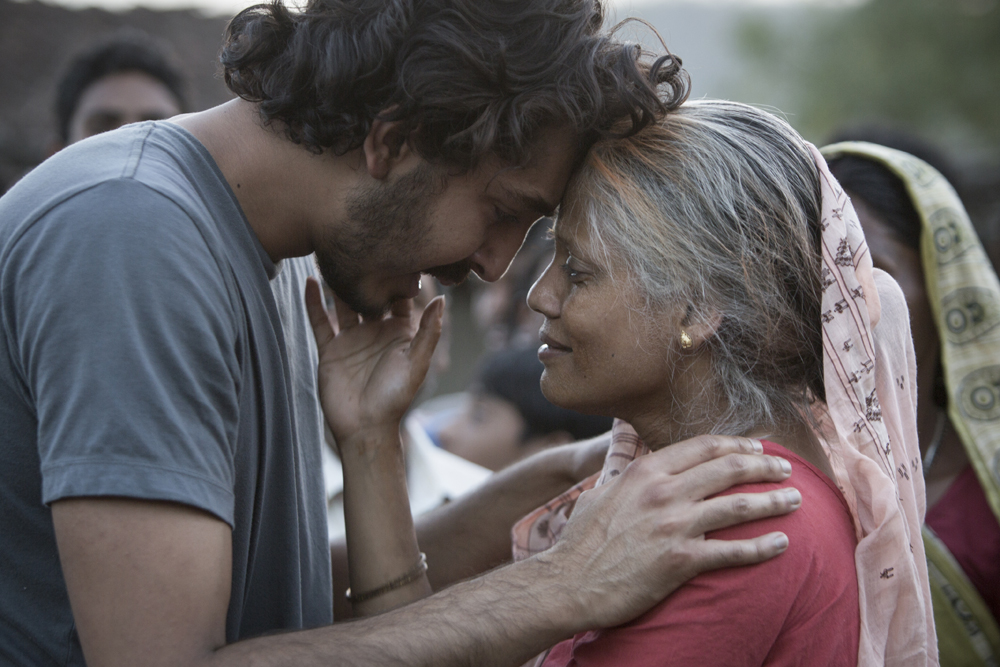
932, 65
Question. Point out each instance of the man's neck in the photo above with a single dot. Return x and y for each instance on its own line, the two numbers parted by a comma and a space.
280, 186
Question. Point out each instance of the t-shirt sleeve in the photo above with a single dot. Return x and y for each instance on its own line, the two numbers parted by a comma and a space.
126, 339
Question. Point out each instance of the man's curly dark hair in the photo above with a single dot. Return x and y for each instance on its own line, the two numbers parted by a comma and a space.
472, 77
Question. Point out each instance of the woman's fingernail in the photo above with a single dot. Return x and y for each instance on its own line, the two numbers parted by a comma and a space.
781, 542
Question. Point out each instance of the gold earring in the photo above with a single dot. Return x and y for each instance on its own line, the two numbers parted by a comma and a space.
686, 341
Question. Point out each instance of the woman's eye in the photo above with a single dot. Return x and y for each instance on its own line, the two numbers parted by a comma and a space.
573, 274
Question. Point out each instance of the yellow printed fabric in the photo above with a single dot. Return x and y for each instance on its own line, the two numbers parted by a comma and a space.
964, 295
967, 634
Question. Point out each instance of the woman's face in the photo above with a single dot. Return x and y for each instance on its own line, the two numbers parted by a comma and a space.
602, 354
902, 262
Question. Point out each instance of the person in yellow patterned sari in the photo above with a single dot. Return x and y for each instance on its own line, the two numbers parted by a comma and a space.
918, 231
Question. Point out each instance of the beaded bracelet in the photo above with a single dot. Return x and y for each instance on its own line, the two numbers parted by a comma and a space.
407, 578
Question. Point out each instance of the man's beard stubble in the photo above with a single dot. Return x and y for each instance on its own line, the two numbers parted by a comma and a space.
384, 223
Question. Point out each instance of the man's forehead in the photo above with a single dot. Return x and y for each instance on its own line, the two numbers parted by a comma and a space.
539, 184
528, 197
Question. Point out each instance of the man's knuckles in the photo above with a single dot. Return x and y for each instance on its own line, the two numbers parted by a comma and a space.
741, 508
725, 553
740, 466
659, 492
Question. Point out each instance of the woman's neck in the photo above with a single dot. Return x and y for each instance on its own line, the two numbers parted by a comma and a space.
692, 395
658, 432
801, 441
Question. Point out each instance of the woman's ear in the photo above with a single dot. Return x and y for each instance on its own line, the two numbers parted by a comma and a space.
386, 147
699, 326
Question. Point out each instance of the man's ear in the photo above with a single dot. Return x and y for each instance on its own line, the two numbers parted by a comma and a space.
385, 147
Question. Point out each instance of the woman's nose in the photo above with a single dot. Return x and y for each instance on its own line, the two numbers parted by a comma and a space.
542, 297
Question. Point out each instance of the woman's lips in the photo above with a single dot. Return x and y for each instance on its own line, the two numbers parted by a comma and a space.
551, 348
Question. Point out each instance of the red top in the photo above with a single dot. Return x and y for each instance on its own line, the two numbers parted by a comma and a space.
800, 608
962, 519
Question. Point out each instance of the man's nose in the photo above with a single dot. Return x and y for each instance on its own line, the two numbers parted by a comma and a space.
492, 258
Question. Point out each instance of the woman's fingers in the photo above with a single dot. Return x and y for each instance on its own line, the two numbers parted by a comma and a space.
687, 454
724, 511
714, 554
318, 317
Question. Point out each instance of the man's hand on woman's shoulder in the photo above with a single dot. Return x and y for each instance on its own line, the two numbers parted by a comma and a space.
634, 540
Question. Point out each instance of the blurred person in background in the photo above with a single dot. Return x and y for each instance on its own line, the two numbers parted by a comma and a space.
505, 417
126, 78
918, 231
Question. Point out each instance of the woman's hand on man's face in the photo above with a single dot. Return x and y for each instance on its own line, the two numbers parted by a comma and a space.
370, 370
633, 541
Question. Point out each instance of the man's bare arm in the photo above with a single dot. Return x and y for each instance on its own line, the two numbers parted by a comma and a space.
149, 582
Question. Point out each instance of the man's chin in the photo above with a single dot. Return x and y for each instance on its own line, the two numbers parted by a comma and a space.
367, 308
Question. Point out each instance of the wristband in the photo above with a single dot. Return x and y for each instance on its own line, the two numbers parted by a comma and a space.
408, 578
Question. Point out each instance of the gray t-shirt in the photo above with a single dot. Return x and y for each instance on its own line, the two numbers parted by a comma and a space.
142, 355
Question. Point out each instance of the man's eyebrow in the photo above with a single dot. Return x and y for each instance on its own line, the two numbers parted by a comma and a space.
532, 202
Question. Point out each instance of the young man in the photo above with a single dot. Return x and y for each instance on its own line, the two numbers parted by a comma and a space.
159, 506
127, 78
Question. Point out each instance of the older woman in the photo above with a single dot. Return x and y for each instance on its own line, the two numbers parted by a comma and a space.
710, 276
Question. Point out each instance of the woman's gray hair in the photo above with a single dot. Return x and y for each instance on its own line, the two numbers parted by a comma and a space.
716, 208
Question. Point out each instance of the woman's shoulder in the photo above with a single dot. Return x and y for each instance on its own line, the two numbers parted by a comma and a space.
823, 521
779, 612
